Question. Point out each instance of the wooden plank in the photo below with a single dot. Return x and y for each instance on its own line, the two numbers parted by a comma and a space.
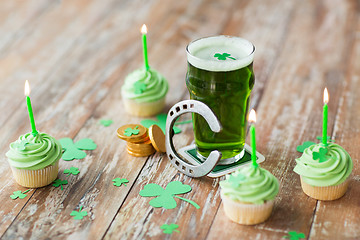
341, 217
290, 112
64, 97
136, 219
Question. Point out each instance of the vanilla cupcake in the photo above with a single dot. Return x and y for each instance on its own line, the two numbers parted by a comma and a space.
248, 195
324, 171
34, 160
144, 92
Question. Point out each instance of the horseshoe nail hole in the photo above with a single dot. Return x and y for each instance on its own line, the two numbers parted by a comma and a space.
191, 171
185, 106
170, 156
183, 168
177, 109
192, 105
177, 163
171, 113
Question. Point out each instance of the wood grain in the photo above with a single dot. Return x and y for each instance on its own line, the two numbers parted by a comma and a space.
76, 55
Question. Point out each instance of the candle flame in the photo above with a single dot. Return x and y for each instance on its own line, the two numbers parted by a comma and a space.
326, 96
144, 29
27, 88
252, 116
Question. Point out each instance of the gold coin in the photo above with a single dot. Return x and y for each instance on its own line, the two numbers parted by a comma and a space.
140, 147
140, 154
157, 138
136, 132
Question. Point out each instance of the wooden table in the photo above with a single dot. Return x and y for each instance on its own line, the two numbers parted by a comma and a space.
76, 55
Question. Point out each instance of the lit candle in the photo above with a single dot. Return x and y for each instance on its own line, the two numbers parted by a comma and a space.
325, 117
28, 102
252, 120
144, 32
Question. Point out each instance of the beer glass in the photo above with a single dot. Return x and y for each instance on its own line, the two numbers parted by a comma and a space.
220, 74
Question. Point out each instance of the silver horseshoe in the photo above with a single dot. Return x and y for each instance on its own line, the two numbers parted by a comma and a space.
191, 106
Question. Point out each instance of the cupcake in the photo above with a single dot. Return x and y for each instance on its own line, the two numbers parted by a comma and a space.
248, 195
144, 92
34, 160
324, 171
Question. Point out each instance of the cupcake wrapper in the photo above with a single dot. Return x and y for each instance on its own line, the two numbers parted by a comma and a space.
247, 214
325, 193
36, 178
144, 109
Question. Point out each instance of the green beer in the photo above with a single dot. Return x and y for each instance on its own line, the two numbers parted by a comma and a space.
220, 74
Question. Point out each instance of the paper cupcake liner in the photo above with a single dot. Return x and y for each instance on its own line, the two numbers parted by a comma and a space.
36, 178
144, 109
247, 214
325, 193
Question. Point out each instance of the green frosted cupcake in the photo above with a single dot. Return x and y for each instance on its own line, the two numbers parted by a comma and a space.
248, 195
324, 171
34, 160
144, 92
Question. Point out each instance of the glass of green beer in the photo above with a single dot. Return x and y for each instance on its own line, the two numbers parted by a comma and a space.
220, 74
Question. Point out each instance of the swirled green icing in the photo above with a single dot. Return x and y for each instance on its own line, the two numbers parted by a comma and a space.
250, 185
335, 170
35, 152
156, 85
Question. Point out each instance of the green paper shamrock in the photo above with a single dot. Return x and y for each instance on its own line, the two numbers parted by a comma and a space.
169, 229
60, 183
305, 145
78, 215
165, 197
118, 181
321, 155
72, 170
73, 151
161, 122
19, 194
223, 56
293, 235
21, 145
236, 180
131, 131
328, 138
139, 87
106, 122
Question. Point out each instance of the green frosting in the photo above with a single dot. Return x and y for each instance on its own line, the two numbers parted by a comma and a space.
154, 86
33, 153
333, 171
250, 185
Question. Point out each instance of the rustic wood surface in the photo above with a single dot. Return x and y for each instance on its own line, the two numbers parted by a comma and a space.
76, 55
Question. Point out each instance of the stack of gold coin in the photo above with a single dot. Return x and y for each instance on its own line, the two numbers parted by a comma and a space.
137, 138
142, 142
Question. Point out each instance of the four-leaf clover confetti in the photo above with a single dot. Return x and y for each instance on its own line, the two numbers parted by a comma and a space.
106, 122
119, 181
293, 235
170, 228
60, 183
305, 145
321, 155
19, 194
161, 122
131, 131
139, 87
73, 150
223, 56
165, 197
72, 170
21, 145
78, 215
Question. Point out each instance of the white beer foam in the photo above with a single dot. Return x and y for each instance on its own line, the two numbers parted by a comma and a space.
200, 53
